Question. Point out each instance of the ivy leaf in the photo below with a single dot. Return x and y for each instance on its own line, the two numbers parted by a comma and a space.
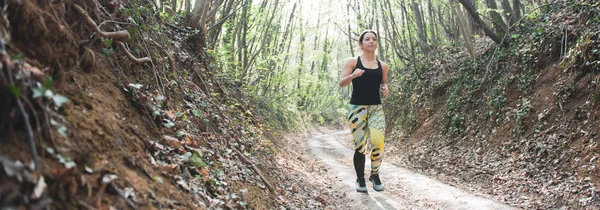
196, 113
181, 133
48, 83
197, 161
59, 100
62, 130
38, 91
169, 123
48, 93
107, 42
136, 86
108, 52
14, 91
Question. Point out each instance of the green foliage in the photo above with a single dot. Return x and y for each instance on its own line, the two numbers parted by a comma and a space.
460, 94
108, 52
18, 57
197, 113
60, 128
196, 160
166, 16
45, 90
107, 47
496, 100
66, 161
522, 110
454, 117
168, 123
14, 90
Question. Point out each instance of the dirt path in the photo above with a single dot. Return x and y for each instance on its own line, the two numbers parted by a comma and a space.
404, 188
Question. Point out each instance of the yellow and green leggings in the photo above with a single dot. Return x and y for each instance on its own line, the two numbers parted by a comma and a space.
367, 121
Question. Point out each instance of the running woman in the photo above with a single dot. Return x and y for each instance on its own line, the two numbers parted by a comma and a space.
369, 78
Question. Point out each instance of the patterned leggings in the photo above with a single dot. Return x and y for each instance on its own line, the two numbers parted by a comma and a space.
365, 120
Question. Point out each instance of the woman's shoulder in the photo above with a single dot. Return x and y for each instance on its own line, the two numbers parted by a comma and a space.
383, 63
352, 60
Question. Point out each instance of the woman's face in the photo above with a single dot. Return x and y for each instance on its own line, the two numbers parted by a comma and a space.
369, 42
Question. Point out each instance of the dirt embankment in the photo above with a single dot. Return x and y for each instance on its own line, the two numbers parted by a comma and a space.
529, 136
554, 164
133, 133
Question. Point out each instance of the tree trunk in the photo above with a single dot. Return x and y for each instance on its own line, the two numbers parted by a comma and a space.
396, 39
516, 15
465, 29
350, 38
199, 15
248, 61
420, 27
449, 25
173, 7
477, 28
423, 22
188, 7
300, 68
497, 21
477, 19
359, 17
215, 30
508, 12
242, 44
382, 43
432, 25
408, 41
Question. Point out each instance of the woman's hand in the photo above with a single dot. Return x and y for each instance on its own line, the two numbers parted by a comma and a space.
385, 90
357, 73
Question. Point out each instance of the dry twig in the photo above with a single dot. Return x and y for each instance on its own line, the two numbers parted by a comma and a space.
30, 138
127, 200
271, 188
7, 68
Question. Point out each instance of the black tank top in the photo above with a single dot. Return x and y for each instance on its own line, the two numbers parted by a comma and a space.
365, 89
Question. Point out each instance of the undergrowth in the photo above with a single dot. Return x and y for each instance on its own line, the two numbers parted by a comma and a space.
456, 84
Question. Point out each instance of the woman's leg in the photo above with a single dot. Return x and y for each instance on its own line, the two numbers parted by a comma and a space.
376, 125
357, 118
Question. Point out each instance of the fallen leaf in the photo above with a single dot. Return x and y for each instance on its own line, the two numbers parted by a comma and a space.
109, 178
322, 199
136, 86
172, 141
170, 114
280, 191
34, 70
203, 171
158, 179
183, 184
40, 187
172, 168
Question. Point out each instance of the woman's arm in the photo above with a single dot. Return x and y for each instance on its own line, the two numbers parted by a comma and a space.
384, 79
347, 74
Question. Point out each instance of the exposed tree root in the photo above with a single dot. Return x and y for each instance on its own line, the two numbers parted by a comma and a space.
118, 36
241, 155
131, 57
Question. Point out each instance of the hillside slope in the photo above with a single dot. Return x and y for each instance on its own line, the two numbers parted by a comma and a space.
519, 123
150, 130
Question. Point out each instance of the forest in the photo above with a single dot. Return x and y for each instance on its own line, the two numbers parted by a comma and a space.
214, 104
